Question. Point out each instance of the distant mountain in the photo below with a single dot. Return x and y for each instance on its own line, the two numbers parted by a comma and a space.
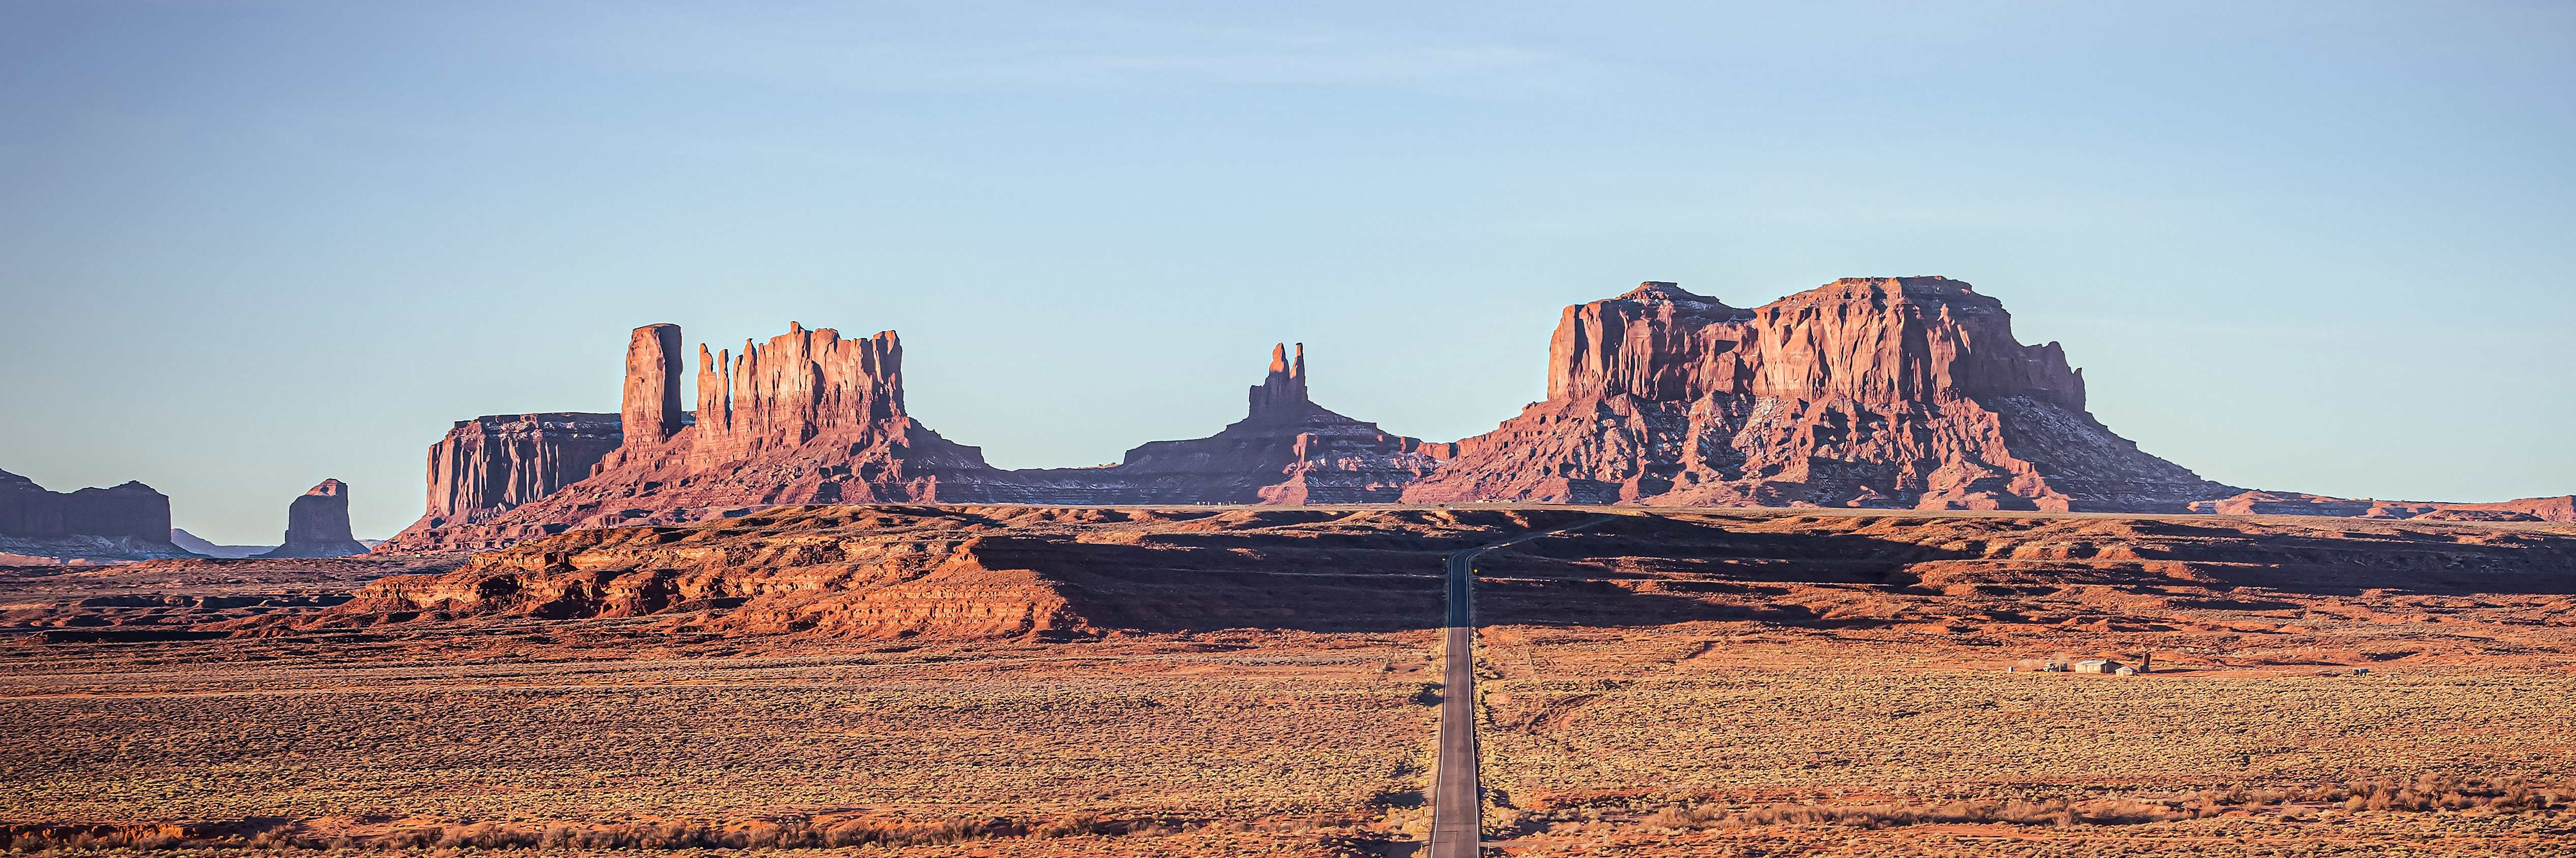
199, 545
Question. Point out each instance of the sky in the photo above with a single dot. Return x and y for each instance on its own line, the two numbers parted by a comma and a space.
246, 246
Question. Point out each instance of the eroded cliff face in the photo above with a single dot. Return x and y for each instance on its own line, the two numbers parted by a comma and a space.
811, 418
491, 464
805, 418
1888, 392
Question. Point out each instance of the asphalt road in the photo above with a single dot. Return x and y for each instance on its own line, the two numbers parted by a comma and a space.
1457, 798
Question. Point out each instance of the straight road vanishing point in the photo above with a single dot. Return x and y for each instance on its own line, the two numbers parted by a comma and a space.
1457, 796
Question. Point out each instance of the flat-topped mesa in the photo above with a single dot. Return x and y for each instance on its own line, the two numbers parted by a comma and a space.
1875, 391
1281, 397
651, 413
1878, 340
128, 522
129, 511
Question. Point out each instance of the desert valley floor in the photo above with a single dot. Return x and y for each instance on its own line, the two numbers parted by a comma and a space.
1009, 681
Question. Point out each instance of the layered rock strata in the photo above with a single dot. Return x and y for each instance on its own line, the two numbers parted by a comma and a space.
806, 417
1889, 392
127, 522
490, 465
317, 524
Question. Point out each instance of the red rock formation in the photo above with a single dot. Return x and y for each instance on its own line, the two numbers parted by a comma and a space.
490, 465
1286, 450
128, 522
317, 524
651, 413
1893, 392
807, 417
961, 571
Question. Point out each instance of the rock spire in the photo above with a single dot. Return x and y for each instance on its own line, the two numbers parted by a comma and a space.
652, 406
1281, 397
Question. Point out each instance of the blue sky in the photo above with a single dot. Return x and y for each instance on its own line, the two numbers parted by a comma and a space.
247, 246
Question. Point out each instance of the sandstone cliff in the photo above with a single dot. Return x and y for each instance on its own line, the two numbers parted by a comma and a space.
489, 465
128, 522
807, 417
810, 418
1890, 392
1866, 392
317, 524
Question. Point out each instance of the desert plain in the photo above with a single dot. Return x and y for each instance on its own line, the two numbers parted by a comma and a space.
1015, 680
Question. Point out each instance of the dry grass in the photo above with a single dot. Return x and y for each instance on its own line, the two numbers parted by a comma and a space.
1298, 739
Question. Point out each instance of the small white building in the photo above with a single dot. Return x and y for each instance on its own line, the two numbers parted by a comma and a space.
2099, 665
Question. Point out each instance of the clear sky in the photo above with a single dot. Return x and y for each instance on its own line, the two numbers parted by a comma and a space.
247, 246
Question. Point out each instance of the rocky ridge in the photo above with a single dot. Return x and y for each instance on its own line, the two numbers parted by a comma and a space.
1051, 573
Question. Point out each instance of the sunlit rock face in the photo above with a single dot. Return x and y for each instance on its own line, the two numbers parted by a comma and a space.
1890, 392
1885, 392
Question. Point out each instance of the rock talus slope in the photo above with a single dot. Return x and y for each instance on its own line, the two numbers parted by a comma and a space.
1866, 392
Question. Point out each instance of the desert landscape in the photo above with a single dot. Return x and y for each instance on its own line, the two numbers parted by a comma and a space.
1261, 680
996, 429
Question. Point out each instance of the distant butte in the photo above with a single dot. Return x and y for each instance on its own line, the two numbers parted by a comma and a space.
317, 524
1887, 392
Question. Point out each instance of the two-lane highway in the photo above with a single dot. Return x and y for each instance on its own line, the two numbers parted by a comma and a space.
1457, 799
